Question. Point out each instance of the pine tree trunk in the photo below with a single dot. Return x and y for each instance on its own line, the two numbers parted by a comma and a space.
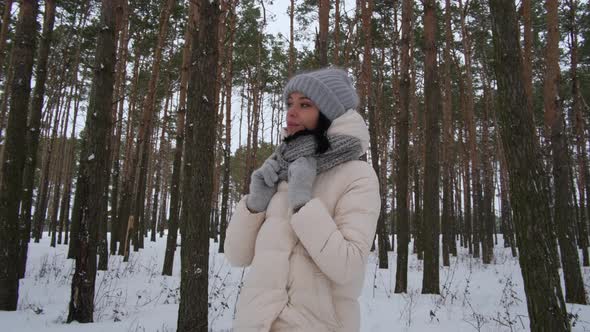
403, 236
464, 139
457, 179
44, 190
457, 230
416, 153
582, 156
350, 39
430, 282
529, 188
249, 121
175, 198
291, 67
32, 133
324, 16
220, 107
472, 136
146, 127
59, 171
147, 202
93, 175
227, 147
4, 106
447, 138
527, 51
6, 16
366, 68
506, 211
159, 166
13, 156
60, 168
70, 157
102, 243
368, 108
67, 154
74, 226
574, 284
119, 101
392, 126
130, 164
336, 54
198, 182
164, 197
385, 127
488, 214
257, 98
53, 167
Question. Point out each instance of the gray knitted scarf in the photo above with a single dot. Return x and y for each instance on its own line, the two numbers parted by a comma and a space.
342, 148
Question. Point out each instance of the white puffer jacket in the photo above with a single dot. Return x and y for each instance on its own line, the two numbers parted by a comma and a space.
307, 269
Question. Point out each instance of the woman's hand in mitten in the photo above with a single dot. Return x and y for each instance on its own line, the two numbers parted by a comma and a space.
263, 185
301, 176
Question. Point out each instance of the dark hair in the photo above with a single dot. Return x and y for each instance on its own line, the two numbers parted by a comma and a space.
320, 133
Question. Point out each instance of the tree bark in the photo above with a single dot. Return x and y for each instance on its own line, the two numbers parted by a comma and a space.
198, 182
32, 133
472, 135
529, 188
129, 165
324, 16
119, 101
582, 156
13, 157
487, 209
227, 147
71, 154
369, 108
336, 54
175, 198
527, 52
403, 236
463, 138
563, 216
48, 157
430, 282
93, 176
59, 170
67, 151
291, 67
447, 139
145, 129
159, 165
6, 16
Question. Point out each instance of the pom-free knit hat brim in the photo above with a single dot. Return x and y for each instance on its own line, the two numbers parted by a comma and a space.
330, 89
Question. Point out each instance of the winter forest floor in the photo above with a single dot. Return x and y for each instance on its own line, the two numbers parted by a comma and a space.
134, 296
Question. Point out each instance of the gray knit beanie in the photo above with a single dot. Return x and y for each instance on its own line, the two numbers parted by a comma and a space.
329, 88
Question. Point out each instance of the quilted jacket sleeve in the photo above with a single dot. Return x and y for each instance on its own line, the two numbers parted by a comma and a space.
340, 245
240, 236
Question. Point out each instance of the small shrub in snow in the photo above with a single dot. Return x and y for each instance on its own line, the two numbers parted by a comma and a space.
407, 312
219, 293
52, 270
473, 318
508, 301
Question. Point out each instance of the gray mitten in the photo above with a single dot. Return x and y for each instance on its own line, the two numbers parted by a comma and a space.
301, 176
263, 185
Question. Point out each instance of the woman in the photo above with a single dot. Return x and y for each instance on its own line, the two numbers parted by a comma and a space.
307, 225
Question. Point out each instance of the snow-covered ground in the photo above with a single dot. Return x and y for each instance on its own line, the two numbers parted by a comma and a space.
134, 296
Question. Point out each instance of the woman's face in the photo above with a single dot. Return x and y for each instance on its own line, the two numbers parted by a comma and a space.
302, 113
